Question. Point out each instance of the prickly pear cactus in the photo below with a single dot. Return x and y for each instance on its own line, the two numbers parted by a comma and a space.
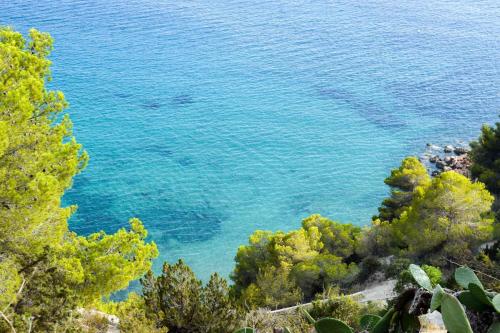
330, 325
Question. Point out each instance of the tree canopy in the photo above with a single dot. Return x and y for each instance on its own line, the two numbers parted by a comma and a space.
45, 269
485, 156
316, 255
403, 182
177, 300
449, 218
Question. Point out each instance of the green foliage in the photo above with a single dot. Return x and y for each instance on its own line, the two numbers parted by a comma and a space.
273, 289
468, 299
485, 155
434, 273
464, 276
245, 330
338, 239
341, 307
177, 300
312, 257
249, 259
426, 277
324, 270
494, 328
10, 282
454, 316
39, 157
368, 321
385, 322
109, 262
45, 270
330, 325
479, 294
132, 315
496, 302
264, 321
474, 298
448, 216
368, 267
446, 219
403, 182
437, 297
397, 266
383, 238
413, 302
92, 322
420, 277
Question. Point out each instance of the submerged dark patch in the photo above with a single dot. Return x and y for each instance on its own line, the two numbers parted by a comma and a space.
183, 99
123, 95
159, 149
187, 226
185, 161
152, 105
300, 205
94, 209
368, 110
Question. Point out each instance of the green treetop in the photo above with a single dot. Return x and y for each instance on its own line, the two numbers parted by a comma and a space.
449, 218
403, 181
177, 300
336, 238
45, 270
38, 155
485, 156
315, 256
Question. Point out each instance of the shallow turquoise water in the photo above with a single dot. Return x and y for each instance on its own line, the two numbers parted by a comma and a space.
210, 119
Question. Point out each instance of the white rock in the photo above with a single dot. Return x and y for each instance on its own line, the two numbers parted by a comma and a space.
432, 323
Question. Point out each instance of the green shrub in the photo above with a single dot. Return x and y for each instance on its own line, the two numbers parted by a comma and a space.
368, 267
342, 307
177, 300
132, 315
397, 266
486, 159
264, 321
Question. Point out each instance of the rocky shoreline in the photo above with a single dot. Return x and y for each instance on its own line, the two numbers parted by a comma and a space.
447, 158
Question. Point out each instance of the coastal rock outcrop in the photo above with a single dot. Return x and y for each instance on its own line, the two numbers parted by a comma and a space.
460, 150
448, 158
448, 148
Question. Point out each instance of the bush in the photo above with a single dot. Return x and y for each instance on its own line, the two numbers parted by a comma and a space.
485, 155
368, 267
396, 267
342, 307
93, 322
273, 289
264, 321
321, 253
177, 300
132, 315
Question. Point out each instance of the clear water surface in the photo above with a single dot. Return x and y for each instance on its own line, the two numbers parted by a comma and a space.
210, 119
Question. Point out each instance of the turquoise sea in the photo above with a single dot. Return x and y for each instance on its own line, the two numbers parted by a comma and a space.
210, 119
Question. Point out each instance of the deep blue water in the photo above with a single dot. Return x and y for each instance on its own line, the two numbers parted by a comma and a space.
210, 119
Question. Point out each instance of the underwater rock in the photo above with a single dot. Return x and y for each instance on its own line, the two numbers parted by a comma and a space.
183, 99
448, 148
